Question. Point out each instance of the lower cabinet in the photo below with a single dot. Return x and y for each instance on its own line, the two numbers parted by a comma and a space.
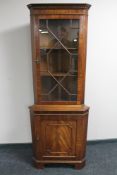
59, 138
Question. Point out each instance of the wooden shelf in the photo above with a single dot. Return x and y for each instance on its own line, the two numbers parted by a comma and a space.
57, 74
58, 48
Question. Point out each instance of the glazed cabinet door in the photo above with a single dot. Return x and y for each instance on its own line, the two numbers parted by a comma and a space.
58, 65
58, 59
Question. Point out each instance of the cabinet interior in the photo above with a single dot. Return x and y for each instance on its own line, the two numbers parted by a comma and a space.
58, 59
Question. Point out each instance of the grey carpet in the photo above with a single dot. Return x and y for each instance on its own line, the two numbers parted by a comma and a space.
101, 160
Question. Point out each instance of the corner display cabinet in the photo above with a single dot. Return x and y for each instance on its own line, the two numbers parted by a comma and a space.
59, 117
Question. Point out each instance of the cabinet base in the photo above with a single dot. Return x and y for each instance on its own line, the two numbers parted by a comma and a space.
59, 137
78, 164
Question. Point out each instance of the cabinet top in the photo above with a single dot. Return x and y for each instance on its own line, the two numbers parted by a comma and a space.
60, 5
54, 108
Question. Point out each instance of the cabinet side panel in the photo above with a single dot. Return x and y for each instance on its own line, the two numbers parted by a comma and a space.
35, 53
81, 136
82, 56
36, 136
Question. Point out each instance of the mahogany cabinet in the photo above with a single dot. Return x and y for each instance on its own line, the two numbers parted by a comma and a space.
59, 117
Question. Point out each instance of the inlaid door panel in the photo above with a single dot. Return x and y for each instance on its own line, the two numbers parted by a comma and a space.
58, 138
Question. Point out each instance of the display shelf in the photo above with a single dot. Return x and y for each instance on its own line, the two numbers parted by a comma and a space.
56, 74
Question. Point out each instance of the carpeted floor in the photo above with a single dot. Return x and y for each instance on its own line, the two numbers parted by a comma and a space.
101, 160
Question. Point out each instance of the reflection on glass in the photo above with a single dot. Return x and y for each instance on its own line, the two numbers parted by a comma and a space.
66, 31
58, 59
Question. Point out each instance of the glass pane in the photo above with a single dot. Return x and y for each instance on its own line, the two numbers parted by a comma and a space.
47, 82
60, 94
64, 31
58, 59
71, 87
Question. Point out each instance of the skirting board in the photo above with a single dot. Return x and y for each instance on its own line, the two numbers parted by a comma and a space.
89, 142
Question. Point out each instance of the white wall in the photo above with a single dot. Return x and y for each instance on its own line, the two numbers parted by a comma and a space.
16, 91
